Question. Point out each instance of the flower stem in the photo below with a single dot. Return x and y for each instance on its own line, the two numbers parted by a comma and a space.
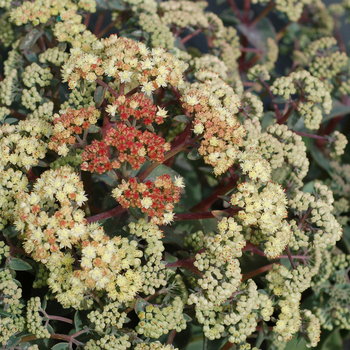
190, 36
102, 83
262, 14
107, 214
108, 28
290, 257
257, 272
275, 106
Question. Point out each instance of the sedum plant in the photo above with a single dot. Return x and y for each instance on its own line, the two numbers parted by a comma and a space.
155, 196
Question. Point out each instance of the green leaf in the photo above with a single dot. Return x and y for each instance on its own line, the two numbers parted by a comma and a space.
338, 109
320, 159
309, 187
19, 265
116, 5
12, 342
219, 214
61, 346
268, 119
161, 170
93, 129
346, 237
78, 322
258, 35
31, 38
187, 318
10, 232
194, 154
170, 258
182, 118
140, 305
279, 100
99, 95
44, 303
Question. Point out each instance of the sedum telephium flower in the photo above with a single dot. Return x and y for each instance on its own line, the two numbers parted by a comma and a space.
156, 199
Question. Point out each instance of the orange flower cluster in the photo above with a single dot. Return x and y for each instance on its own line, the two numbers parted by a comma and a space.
139, 107
69, 124
156, 199
96, 158
131, 145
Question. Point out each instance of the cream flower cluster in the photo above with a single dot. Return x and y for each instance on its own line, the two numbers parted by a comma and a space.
293, 10
216, 260
24, 144
40, 11
339, 144
153, 271
156, 320
318, 217
334, 308
11, 184
9, 87
214, 104
10, 295
324, 61
264, 208
126, 61
34, 74
53, 55
35, 320
110, 316
313, 94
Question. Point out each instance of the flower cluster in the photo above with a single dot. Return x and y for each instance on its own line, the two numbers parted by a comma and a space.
126, 61
156, 321
70, 124
153, 270
156, 199
24, 144
134, 146
312, 93
316, 211
34, 74
218, 267
10, 294
11, 183
35, 320
265, 209
136, 107
214, 104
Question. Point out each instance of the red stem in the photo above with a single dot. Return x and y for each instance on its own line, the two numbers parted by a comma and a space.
257, 272
275, 106
107, 214
311, 135
102, 83
190, 36
262, 14
99, 22
206, 203
235, 9
108, 28
290, 257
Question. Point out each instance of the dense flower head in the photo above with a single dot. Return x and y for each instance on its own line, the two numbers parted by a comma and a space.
313, 94
156, 321
214, 104
138, 106
126, 61
11, 183
265, 209
69, 124
12, 321
318, 218
46, 232
24, 144
156, 199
